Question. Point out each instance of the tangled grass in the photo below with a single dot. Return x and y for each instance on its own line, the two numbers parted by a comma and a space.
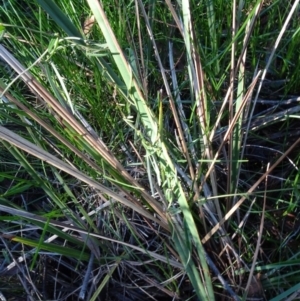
149, 150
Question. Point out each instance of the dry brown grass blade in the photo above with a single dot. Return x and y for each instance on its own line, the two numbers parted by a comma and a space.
34, 150
201, 112
232, 66
67, 117
230, 128
254, 186
143, 69
88, 24
225, 102
51, 130
175, 16
230, 104
239, 72
252, 281
248, 35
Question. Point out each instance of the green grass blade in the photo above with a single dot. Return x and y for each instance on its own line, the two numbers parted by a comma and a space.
125, 70
52, 248
60, 18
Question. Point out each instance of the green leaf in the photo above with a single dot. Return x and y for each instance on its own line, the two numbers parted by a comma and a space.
60, 18
52, 248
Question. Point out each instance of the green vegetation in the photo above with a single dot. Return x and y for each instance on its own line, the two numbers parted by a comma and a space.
149, 150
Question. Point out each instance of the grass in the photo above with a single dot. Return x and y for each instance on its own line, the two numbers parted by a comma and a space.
148, 151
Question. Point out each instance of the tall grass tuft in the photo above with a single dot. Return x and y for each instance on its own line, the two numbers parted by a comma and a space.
149, 150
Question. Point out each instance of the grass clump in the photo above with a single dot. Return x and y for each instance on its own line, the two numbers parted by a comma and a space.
149, 150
